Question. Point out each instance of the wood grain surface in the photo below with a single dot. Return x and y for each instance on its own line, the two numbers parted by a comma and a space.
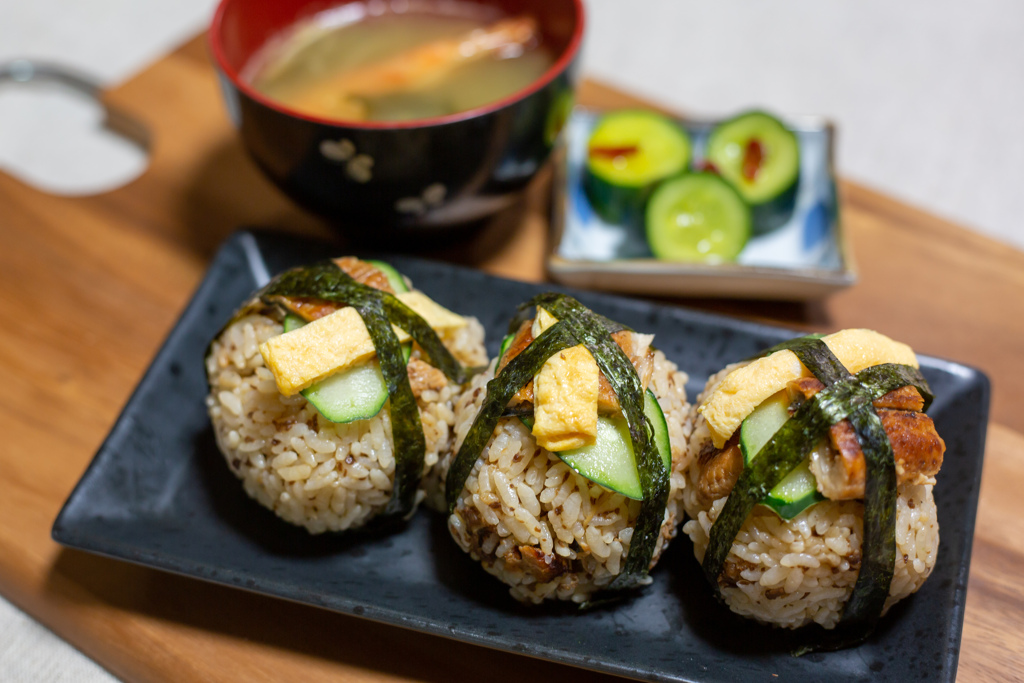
90, 287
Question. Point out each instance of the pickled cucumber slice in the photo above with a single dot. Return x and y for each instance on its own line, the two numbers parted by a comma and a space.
760, 157
697, 217
628, 153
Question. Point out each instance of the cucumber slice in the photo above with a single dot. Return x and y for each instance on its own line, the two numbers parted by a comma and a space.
293, 322
794, 494
697, 217
610, 461
395, 278
798, 490
759, 427
505, 344
761, 158
628, 153
356, 393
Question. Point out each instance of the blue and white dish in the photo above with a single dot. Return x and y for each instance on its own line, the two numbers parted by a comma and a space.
805, 258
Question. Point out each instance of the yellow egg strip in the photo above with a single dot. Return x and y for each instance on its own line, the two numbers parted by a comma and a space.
436, 315
747, 387
334, 342
565, 395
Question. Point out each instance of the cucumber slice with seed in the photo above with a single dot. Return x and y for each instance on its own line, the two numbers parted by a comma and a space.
761, 158
628, 153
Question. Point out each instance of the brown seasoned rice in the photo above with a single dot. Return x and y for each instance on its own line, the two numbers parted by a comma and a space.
546, 531
310, 471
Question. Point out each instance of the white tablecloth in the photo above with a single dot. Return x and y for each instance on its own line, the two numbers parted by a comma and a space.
29, 652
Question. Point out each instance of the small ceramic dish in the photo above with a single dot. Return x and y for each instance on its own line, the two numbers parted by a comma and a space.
806, 258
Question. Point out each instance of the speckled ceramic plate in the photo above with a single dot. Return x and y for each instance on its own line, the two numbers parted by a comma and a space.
806, 258
158, 493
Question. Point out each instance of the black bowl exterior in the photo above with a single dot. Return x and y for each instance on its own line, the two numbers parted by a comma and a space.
419, 178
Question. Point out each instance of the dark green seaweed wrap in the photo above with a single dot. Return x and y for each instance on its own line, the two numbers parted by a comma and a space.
845, 396
578, 325
379, 310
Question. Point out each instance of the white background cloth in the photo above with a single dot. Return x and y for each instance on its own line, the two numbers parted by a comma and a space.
927, 95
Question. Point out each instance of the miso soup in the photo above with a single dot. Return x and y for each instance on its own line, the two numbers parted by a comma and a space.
427, 60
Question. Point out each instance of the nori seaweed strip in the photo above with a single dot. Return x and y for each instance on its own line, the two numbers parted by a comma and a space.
321, 281
328, 282
406, 427
521, 316
870, 591
879, 380
819, 359
879, 544
592, 329
500, 391
417, 328
548, 299
788, 344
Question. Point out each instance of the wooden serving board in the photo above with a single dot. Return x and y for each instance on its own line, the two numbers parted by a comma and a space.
90, 287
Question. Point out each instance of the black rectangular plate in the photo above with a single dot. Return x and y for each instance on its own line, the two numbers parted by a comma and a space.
158, 494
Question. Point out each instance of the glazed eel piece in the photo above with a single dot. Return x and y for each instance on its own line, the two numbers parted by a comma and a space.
840, 470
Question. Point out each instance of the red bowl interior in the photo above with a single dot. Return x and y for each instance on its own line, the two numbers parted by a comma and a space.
241, 27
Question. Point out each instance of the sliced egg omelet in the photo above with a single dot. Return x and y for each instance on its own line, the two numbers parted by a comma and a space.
747, 387
339, 340
565, 395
